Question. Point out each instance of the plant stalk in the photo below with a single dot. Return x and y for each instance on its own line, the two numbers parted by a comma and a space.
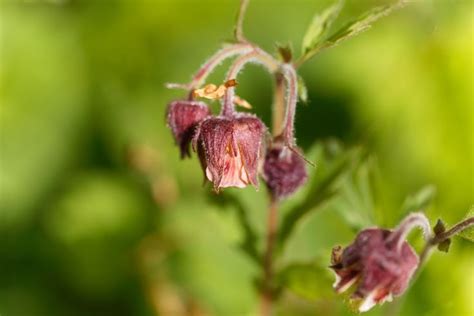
272, 224
437, 239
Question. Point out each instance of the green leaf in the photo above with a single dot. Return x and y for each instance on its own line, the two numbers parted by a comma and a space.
325, 184
363, 23
307, 280
319, 26
356, 203
359, 25
420, 199
249, 243
302, 90
468, 233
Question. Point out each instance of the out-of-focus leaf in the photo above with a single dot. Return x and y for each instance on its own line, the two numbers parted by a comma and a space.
320, 24
468, 234
355, 203
249, 243
302, 90
308, 280
419, 200
324, 186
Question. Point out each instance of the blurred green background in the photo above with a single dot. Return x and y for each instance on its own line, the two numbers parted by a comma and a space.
98, 216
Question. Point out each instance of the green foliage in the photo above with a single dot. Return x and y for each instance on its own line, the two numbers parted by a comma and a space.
307, 280
324, 184
302, 90
419, 200
314, 40
319, 26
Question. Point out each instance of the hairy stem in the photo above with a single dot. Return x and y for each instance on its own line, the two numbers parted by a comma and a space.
216, 59
257, 56
410, 222
272, 223
278, 105
238, 31
439, 238
291, 78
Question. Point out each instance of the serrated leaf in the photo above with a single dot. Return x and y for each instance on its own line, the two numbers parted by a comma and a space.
309, 281
302, 90
420, 199
356, 203
320, 24
363, 23
351, 29
324, 185
468, 233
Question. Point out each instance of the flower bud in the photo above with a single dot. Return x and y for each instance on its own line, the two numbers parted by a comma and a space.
379, 267
230, 149
284, 171
183, 117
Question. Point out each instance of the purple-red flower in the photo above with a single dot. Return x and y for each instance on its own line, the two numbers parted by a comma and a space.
230, 149
379, 266
284, 171
182, 117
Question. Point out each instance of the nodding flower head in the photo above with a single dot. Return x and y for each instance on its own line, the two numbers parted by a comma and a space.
284, 170
183, 117
377, 265
230, 149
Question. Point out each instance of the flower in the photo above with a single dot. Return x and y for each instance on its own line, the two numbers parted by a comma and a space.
183, 117
381, 267
284, 170
230, 149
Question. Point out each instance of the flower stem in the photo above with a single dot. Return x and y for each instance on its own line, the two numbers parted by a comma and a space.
215, 60
398, 236
256, 55
291, 78
272, 223
278, 105
238, 31
439, 238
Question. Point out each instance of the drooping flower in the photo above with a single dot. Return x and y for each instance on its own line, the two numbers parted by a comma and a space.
230, 149
284, 170
182, 117
379, 266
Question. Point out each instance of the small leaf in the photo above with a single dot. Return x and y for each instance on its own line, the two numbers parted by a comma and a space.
324, 185
302, 90
419, 200
309, 281
444, 245
363, 23
439, 228
468, 233
285, 51
319, 26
